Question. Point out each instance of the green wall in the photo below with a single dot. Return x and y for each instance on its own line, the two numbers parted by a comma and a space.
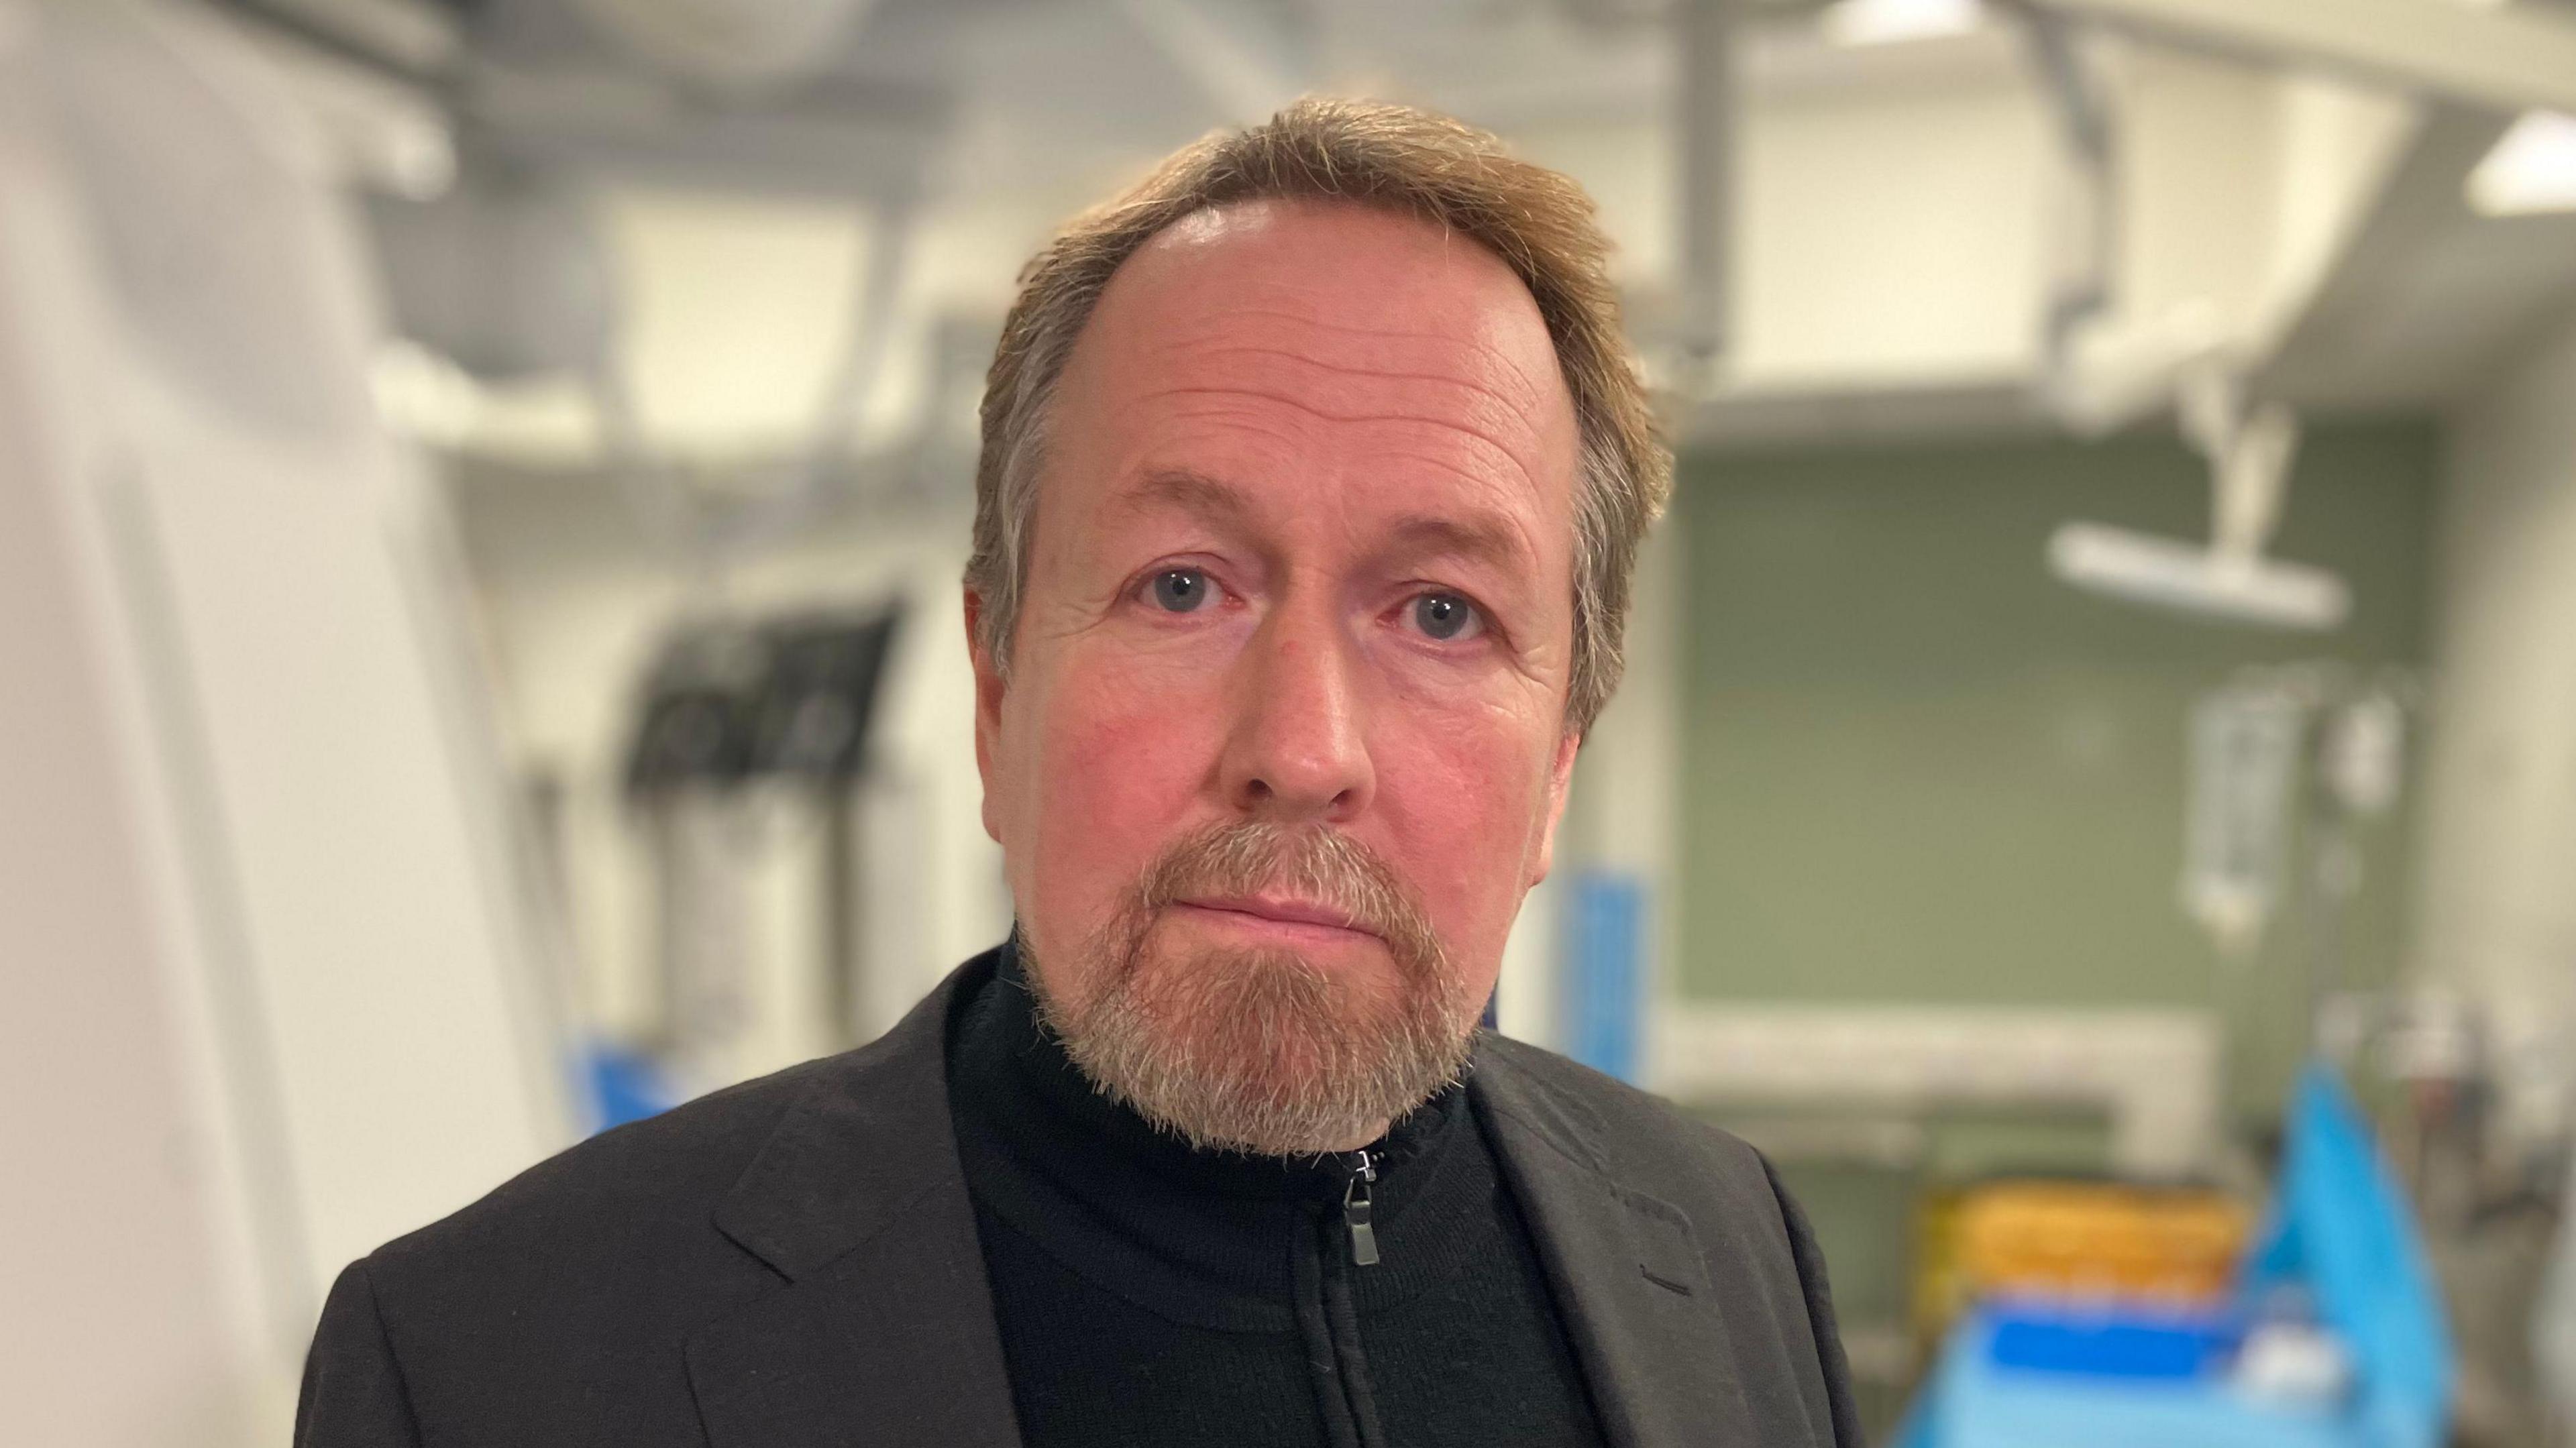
1922, 770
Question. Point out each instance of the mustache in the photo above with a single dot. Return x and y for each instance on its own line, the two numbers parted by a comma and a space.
1314, 864
1263, 1050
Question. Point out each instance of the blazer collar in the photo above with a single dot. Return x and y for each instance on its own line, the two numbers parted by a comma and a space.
884, 1331
1626, 1269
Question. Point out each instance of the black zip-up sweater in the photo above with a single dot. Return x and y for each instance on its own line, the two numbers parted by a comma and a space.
1150, 1294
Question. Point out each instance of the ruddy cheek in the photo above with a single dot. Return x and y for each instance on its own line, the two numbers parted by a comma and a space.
1120, 773
1473, 805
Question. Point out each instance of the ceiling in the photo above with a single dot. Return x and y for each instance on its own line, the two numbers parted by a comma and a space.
922, 95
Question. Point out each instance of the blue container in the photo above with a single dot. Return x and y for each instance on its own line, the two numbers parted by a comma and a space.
2111, 1344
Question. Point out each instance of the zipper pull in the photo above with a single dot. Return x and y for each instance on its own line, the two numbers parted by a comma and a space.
1355, 1213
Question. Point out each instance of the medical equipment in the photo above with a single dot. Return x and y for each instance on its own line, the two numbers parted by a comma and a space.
2229, 580
2335, 1338
751, 772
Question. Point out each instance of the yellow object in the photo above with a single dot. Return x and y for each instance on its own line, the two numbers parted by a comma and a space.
2177, 1246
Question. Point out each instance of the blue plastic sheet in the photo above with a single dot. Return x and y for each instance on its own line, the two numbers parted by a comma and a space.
2342, 1229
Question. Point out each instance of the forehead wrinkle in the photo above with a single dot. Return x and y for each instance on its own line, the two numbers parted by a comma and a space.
1493, 399
1533, 393
1219, 415
1482, 441
1475, 480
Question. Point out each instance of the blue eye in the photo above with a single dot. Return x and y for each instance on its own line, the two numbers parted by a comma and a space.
1182, 590
1446, 617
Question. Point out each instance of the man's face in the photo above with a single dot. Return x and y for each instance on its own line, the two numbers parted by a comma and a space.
1282, 743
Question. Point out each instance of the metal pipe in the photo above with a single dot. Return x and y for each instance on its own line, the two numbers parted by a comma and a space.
1704, 126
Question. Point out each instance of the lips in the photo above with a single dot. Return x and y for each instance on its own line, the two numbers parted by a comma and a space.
1281, 911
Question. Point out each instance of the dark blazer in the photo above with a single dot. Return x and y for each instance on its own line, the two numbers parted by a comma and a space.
793, 1262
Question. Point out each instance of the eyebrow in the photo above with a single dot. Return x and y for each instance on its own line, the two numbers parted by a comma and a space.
1478, 537
1482, 537
1185, 490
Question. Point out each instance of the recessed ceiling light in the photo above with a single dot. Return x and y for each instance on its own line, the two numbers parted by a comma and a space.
1881, 22
2533, 169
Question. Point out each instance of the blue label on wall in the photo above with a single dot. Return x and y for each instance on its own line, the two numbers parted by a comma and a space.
623, 1085
1605, 969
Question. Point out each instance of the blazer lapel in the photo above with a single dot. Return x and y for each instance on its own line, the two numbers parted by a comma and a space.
1627, 1272
883, 1332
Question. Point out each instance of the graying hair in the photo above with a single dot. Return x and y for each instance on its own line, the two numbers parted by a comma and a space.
1395, 158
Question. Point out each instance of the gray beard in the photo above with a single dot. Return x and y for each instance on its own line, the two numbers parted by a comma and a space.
1262, 1051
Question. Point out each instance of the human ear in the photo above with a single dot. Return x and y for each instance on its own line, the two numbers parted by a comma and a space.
988, 707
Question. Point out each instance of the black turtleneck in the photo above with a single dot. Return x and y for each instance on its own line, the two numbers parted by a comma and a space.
1149, 1293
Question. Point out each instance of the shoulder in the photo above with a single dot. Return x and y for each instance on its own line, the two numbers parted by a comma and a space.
579, 1282
652, 1188
665, 1163
574, 1283
633, 1201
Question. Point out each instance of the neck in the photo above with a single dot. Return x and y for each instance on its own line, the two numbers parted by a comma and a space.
1370, 1137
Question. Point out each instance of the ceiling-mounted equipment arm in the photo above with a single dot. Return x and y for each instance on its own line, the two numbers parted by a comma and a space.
2514, 58
2101, 370
2085, 222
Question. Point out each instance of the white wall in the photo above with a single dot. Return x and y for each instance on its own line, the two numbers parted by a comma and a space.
2496, 884
117, 1302
266, 998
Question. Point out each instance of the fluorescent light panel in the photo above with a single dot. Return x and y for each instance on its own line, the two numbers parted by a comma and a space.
2531, 170
1883, 22
2189, 578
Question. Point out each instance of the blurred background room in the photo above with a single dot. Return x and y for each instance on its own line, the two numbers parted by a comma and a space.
483, 487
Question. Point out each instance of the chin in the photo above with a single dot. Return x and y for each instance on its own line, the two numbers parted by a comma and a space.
1264, 1051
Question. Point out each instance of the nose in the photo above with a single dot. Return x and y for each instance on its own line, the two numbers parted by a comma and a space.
1295, 749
